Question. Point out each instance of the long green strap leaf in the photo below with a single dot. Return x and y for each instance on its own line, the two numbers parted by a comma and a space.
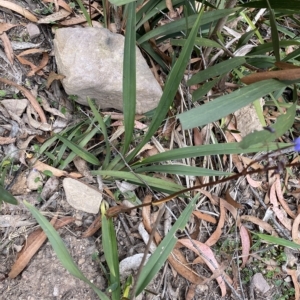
129, 77
225, 105
61, 250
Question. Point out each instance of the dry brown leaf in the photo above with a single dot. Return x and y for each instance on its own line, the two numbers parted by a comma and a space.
205, 217
279, 214
31, 51
76, 20
246, 244
53, 76
61, 3
57, 16
281, 198
29, 96
264, 225
198, 137
294, 275
209, 258
6, 26
218, 232
191, 292
40, 166
176, 258
18, 9
7, 47
248, 161
43, 63
295, 230
252, 182
93, 228
291, 74
25, 257
231, 201
6, 140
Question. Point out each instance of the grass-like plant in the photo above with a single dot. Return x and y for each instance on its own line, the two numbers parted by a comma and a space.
190, 32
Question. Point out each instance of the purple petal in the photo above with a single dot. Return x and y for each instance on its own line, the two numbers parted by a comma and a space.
297, 144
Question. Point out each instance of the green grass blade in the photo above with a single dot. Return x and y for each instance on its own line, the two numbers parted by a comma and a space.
121, 2
180, 25
211, 149
129, 77
109, 243
181, 170
171, 86
102, 126
202, 42
86, 14
283, 124
7, 196
155, 183
274, 32
225, 105
204, 89
61, 250
79, 151
216, 70
164, 249
277, 241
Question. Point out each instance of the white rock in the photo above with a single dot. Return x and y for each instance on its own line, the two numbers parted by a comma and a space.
81, 196
260, 283
33, 30
34, 180
92, 61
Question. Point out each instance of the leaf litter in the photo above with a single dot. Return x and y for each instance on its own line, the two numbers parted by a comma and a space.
215, 225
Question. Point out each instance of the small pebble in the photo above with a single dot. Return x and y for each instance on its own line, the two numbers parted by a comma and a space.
33, 30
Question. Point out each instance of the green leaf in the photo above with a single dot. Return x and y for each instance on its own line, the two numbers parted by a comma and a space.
121, 2
171, 86
164, 249
225, 105
109, 243
216, 70
79, 151
181, 170
212, 149
86, 14
155, 183
61, 250
202, 42
180, 25
205, 88
277, 241
282, 125
99, 119
7, 196
129, 77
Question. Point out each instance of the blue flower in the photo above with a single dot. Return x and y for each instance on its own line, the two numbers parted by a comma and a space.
297, 144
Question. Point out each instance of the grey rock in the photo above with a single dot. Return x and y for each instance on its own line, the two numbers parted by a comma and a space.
92, 61
81, 196
33, 30
260, 283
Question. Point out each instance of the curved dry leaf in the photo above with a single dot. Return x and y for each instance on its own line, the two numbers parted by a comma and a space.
248, 161
246, 244
293, 274
208, 257
218, 232
6, 140
253, 183
57, 16
53, 76
264, 225
61, 3
31, 51
291, 74
7, 47
18, 9
281, 198
29, 96
40, 166
25, 257
205, 217
6, 26
34, 123
295, 230
76, 20
279, 214
198, 137
43, 63
231, 201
